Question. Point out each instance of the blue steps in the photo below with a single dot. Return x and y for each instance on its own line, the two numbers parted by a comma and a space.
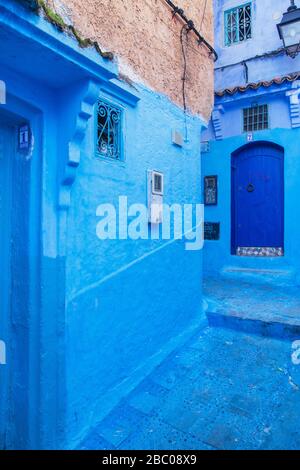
285, 329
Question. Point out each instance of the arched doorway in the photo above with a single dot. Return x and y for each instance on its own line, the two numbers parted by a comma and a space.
258, 200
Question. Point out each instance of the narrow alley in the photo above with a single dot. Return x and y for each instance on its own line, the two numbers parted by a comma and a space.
149, 228
224, 389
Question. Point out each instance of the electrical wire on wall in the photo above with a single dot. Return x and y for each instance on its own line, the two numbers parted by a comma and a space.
184, 32
266, 55
201, 40
188, 27
246, 71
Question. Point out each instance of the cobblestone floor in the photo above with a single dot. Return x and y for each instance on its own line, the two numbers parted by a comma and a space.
222, 390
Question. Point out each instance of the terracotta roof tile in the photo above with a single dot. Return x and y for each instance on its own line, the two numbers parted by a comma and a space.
254, 86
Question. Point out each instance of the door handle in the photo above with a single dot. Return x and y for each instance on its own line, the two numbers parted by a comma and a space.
250, 188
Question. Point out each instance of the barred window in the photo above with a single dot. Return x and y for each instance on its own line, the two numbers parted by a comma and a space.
238, 24
256, 118
109, 127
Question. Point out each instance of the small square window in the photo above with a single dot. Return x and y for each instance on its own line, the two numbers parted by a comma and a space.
238, 24
109, 128
157, 183
256, 118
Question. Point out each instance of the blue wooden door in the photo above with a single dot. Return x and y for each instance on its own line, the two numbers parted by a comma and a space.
258, 196
6, 154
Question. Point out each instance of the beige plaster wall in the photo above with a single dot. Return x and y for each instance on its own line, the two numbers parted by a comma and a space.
145, 38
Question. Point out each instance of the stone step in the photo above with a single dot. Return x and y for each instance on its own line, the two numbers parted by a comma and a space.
275, 327
280, 277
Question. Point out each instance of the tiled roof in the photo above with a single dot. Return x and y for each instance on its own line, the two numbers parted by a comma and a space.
254, 86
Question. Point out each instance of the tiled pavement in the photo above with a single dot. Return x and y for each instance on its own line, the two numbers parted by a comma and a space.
222, 390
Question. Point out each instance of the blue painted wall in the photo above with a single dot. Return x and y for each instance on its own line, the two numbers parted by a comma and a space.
117, 323
266, 15
91, 332
226, 135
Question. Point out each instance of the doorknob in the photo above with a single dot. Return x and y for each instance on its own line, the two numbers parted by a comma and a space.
250, 188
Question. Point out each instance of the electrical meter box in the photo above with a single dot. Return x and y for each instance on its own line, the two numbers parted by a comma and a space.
155, 196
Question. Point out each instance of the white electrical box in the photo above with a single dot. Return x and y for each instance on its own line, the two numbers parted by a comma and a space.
155, 196
177, 138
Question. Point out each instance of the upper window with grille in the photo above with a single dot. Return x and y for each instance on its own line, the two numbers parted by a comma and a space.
109, 128
238, 24
256, 118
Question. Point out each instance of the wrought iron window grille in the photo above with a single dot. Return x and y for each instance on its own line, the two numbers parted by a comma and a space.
109, 128
238, 24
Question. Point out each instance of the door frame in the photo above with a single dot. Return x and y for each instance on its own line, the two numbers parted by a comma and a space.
235, 155
25, 432
5, 322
